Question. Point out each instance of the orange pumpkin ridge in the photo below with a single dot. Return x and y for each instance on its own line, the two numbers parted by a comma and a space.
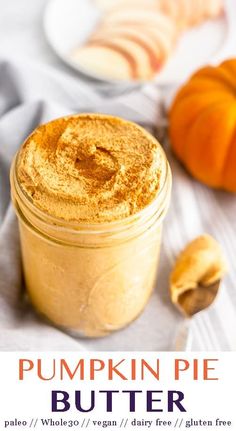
202, 125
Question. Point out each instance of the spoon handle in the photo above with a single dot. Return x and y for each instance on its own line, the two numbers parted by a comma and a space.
184, 338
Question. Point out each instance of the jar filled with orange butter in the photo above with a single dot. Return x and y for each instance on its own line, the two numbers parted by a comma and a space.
91, 192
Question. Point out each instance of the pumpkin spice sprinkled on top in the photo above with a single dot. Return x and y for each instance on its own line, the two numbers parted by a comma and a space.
91, 168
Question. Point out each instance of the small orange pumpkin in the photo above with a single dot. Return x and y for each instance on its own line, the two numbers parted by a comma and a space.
203, 125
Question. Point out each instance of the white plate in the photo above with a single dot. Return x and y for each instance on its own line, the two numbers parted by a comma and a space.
68, 23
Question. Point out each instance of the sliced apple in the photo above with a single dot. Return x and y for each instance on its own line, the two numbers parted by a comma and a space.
141, 16
146, 42
143, 65
106, 62
158, 40
135, 37
214, 8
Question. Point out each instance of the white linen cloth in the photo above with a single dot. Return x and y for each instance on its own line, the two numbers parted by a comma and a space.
31, 93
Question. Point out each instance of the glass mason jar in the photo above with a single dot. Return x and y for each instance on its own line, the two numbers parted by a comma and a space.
90, 279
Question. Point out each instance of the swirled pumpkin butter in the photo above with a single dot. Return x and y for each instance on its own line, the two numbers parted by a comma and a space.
90, 192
